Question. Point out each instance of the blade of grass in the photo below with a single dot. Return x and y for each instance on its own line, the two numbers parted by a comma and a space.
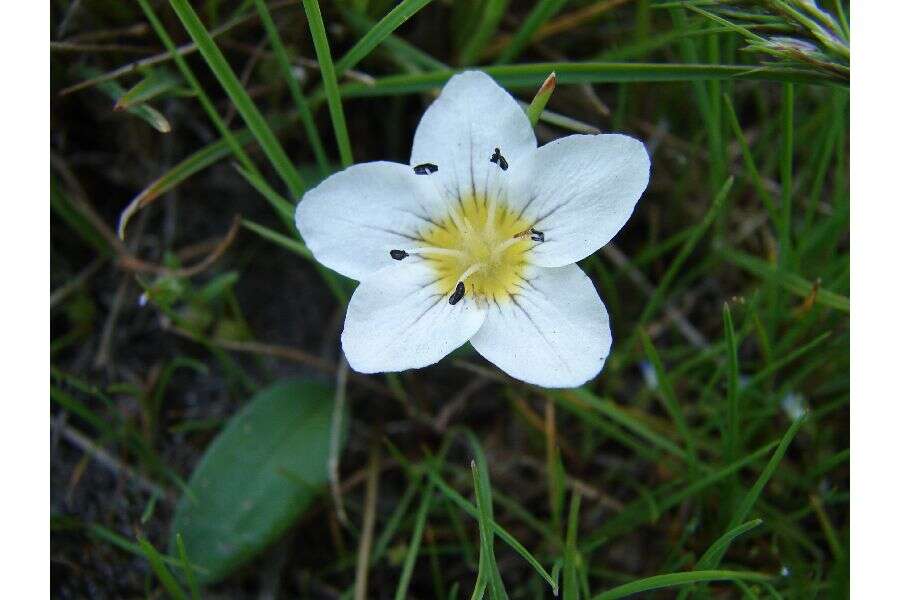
542, 11
485, 531
472, 511
187, 568
294, 245
186, 72
670, 401
746, 504
393, 522
750, 499
790, 281
674, 579
731, 431
377, 33
159, 569
491, 13
750, 164
720, 546
284, 63
154, 83
531, 75
145, 112
662, 289
481, 579
641, 511
608, 409
787, 177
415, 541
570, 561
329, 79
283, 208
332, 279
239, 96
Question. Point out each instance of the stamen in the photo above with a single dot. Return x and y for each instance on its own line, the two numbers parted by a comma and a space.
434, 250
536, 236
399, 254
470, 271
425, 169
498, 159
458, 293
506, 244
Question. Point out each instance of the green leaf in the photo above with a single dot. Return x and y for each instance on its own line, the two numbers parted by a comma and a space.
259, 474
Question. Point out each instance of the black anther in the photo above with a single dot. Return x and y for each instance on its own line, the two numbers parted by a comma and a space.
425, 169
498, 159
458, 294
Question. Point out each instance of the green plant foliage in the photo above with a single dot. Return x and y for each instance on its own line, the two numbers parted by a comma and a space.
259, 474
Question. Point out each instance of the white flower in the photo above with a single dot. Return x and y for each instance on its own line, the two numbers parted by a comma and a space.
476, 240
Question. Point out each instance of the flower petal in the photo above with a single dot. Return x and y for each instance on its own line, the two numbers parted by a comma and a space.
460, 131
352, 220
579, 191
397, 319
553, 333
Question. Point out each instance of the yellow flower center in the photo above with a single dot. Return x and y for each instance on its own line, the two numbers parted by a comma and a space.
482, 244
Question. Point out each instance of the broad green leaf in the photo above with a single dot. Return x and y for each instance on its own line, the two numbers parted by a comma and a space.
261, 472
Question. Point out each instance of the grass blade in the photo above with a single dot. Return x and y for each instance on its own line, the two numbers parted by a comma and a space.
790, 281
674, 579
659, 294
750, 164
491, 14
412, 551
570, 562
239, 96
186, 72
188, 569
543, 10
732, 423
670, 401
469, 508
159, 569
378, 32
329, 79
720, 546
787, 177
283, 208
530, 75
284, 63
485, 531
